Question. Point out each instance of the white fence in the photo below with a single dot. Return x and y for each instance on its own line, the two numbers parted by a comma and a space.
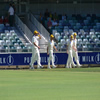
40, 27
23, 27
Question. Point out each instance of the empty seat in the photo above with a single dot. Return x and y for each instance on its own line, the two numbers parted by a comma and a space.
88, 18
7, 49
19, 49
24, 49
8, 42
28, 44
70, 21
65, 37
85, 40
13, 49
1, 27
63, 48
88, 37
83, 37
63, 41
67, 40
66, 31
13, 41
59, 30
92, 30
79, 41
65, 27
62, 34
97, 33
93, 36
1, 42
54, 31
7, 34
2, 35
14, 35
60, 26
79, 47
98, 37
6, 31
86, 22
16, 38
5, 45
82, 31
90, 47
96, 40
59, 46
70, 31
2, 49
91, 33
29, 48
22, 45
12, 31
16, 45
58, 38
85, 48
19, 41
56, 35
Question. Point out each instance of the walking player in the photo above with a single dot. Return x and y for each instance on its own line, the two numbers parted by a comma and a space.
74, 51
70, 62
50, 51
35, 50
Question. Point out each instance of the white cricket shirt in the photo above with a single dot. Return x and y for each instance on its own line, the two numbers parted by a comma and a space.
50, 45
11, 11
70, 44
35, 40
75, 43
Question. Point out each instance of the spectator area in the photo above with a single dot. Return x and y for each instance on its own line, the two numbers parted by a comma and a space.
87, 28
11, 42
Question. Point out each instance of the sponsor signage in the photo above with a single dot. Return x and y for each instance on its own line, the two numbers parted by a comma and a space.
59, 58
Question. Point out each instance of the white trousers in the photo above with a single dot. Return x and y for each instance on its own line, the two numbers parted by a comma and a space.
35, 57
70, 59
75, 55
51, 58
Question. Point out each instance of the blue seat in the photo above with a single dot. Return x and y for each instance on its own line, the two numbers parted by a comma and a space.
86, 22
61, 27
1, 27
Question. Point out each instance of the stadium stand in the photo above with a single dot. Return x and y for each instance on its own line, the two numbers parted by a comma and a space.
11, 40
81, 16
87, 28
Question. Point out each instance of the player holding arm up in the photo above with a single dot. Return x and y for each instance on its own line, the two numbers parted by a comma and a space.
50, 51
69, 51
74, 50
35, 50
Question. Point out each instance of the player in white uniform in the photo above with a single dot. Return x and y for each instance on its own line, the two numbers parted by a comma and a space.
50, 51
75, 53
35, 50
70, 62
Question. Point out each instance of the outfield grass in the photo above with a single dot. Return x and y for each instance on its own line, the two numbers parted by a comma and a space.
50, 84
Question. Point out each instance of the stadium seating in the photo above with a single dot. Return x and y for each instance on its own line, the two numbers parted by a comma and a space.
87, 28
10, 42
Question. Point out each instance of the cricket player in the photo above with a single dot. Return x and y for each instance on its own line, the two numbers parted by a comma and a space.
35, 50
50, 51
70, 62
74, 50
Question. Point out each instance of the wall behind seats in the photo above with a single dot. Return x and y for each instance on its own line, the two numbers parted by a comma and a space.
4, 9
85, 8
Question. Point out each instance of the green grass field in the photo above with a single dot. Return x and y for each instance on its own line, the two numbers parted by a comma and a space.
50, 84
